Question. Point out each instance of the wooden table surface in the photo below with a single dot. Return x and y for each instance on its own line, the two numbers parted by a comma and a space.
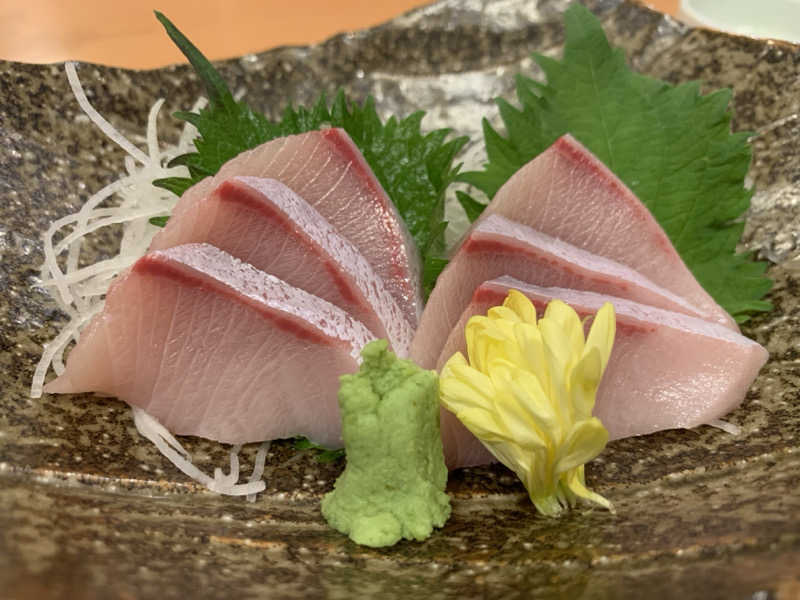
127, 34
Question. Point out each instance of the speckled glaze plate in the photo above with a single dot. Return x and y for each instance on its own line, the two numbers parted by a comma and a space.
88, 509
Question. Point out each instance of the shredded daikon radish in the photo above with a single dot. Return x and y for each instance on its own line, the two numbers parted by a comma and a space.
97, 118
79, 291
726, 426
175, 452
258, 467
233, 476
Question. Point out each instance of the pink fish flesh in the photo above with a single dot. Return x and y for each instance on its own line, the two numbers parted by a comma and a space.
264, 223
497, 246
327, 170
213, 347
666, 370
566, 192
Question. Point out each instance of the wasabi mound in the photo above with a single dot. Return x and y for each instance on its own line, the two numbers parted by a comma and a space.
393, 485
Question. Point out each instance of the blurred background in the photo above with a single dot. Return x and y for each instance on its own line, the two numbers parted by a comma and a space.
126, 34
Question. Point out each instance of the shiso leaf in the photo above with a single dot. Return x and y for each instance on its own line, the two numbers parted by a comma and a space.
322, 454
472, 207
414, 168
671, 145
158, 221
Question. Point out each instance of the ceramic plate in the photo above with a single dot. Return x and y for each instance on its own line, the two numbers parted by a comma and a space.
90, 509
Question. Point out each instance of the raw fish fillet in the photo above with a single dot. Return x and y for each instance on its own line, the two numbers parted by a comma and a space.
497, 246
213, 347
327, 170
566, 192
264, 223
666, 370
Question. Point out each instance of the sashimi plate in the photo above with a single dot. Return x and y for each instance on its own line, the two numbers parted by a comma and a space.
89, 509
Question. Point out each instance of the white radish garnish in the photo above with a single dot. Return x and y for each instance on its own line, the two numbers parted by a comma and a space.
172, 449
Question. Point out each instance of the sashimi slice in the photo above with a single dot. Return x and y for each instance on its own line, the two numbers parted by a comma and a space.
497, 246
213, 347
327, 170
666, 370
264, 223
566, 192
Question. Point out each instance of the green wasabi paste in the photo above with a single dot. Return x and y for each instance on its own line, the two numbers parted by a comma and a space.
393, 484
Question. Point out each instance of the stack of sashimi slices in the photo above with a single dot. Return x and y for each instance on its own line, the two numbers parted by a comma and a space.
262, 289
565, 227
271, 276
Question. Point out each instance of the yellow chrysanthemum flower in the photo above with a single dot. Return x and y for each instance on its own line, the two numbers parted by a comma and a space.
528, 392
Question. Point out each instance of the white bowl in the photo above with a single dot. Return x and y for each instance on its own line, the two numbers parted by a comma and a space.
775, 19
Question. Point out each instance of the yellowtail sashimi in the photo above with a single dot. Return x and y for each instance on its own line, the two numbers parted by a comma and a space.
213, 347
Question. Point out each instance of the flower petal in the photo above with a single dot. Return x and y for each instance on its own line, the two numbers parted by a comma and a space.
483, 424
583, 383
535, 407
531, 349
565, 317
461, 386
585, 441
602, 332
473, 333
558, 345
497, 313
577, 487
557, 362
524, 427
522, 306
